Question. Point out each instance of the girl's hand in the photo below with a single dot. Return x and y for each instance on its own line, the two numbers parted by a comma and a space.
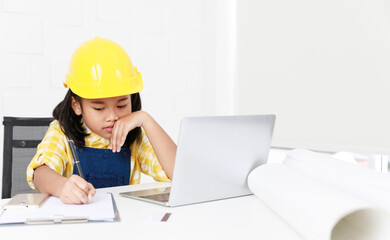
123, 126
76, 190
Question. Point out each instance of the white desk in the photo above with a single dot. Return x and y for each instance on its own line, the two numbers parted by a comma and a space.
236, 218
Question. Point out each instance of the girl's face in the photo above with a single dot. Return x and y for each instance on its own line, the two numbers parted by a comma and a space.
101, 114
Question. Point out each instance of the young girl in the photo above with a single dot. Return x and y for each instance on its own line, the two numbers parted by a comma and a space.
101, 113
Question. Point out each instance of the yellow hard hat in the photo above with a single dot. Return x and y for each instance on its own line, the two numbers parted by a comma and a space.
100, 68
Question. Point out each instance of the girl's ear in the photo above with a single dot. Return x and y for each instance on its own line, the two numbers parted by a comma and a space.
76, 106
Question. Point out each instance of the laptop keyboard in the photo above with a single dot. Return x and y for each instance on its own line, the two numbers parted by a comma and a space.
161, 197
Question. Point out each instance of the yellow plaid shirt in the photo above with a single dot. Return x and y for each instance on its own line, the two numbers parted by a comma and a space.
54, 151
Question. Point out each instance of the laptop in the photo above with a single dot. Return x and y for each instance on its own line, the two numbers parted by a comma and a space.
213, 159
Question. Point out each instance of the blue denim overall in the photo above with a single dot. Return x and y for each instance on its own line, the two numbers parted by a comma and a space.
104, 168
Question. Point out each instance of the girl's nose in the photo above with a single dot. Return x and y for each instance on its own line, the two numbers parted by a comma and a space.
112, 116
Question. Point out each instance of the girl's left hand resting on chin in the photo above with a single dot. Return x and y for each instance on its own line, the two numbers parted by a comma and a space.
162, 144
123, 126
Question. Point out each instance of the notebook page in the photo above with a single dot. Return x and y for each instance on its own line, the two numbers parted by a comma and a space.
100, 208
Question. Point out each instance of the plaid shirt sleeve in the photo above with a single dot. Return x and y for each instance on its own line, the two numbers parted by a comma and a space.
147, 161
53, 152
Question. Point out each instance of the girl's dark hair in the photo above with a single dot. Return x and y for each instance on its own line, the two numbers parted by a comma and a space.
71, 124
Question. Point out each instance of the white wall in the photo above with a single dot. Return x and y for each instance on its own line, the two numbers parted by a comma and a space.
322, 67
175, 44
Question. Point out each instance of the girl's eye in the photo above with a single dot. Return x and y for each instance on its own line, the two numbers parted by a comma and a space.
122, 106
98, 109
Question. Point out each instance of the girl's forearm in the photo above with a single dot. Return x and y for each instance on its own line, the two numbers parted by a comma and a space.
162, 144
46, 180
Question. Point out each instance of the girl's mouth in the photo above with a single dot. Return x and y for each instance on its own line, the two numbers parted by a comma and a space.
108, 129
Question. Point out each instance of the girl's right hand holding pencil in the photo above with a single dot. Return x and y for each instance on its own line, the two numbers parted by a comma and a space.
75, 190
72, 190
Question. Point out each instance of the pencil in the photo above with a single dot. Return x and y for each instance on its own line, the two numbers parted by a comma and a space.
76, 161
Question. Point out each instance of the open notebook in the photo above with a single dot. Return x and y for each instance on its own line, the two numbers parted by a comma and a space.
101, 208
